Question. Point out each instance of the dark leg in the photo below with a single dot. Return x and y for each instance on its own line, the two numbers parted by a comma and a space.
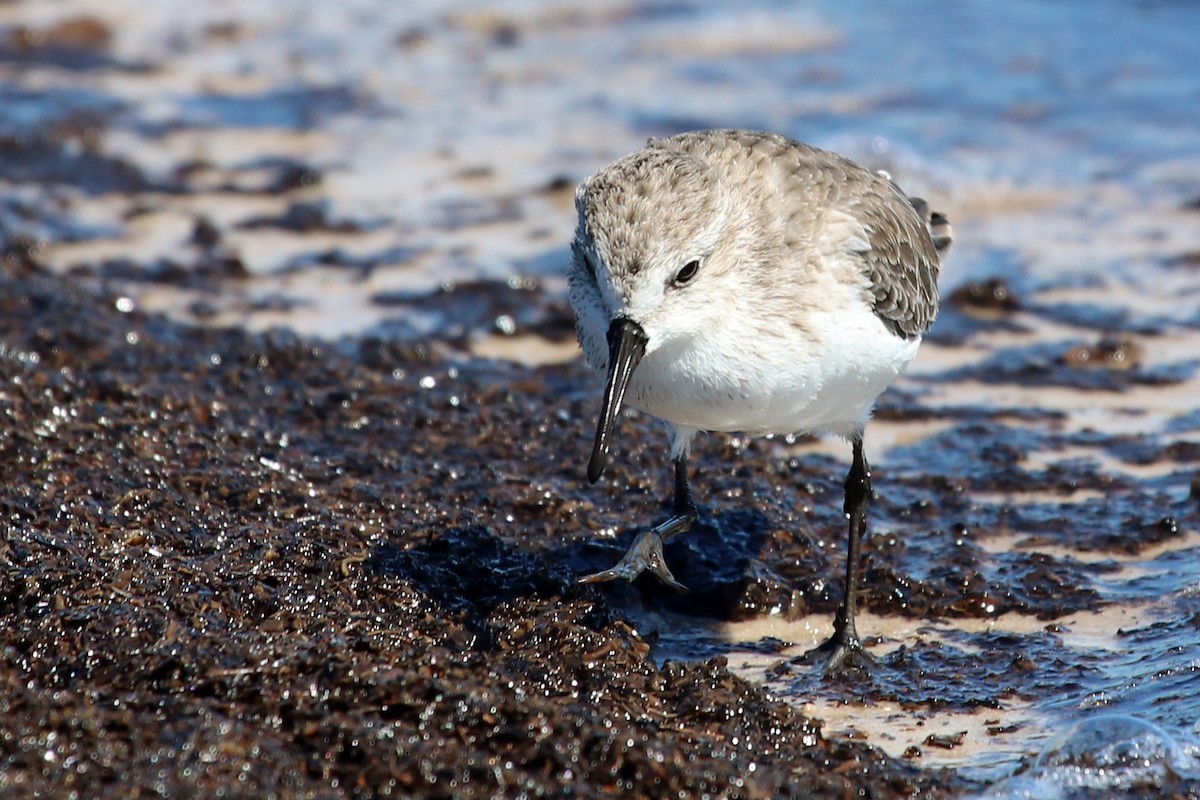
844, 648
646, 552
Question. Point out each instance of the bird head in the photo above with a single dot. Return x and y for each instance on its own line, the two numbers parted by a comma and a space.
648, 261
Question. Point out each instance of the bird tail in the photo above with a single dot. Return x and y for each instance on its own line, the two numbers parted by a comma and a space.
939, 227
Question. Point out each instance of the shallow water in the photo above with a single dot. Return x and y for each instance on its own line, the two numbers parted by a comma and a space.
338, 170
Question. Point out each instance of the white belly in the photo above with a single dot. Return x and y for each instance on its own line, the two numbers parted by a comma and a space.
823, 383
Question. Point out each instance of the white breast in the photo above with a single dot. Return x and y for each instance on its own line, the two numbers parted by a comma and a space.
824, 382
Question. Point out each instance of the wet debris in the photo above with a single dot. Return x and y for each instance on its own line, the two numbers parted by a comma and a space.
74, 33
987, 299
1023, 663
304, 217
502, 574
558, 185
270, 176
1190, 259
1112, 363
254, 560
225, 31
560, 190
517, 306
964, 673
1111, 352
205, 234
287, 175
36, 158
984, 305
1150, 449
203, 309
274, 301
77, 43
364, 264
200, 272
945, 741
412, 38
19, 251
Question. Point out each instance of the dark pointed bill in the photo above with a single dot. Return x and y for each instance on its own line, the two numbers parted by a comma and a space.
626, 346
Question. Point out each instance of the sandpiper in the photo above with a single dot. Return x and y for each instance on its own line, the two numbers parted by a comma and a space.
742, 281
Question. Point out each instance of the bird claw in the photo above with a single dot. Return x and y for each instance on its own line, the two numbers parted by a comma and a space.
847, 658
645, 554
842, 655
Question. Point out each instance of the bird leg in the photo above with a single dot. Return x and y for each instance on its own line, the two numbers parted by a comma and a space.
646, 552
844, 648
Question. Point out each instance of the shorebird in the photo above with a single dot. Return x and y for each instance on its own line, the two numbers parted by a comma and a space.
745, 282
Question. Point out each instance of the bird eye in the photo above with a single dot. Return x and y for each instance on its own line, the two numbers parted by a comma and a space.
687, 273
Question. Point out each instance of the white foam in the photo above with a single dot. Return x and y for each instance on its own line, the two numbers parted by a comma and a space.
1106, 754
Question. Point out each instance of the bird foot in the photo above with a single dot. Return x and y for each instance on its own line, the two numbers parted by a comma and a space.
645, 554
843, 655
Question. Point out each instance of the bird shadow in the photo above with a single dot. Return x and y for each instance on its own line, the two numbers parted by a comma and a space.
468, 572
715, 560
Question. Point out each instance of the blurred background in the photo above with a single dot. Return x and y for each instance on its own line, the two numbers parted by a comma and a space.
266, 162
405, 170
